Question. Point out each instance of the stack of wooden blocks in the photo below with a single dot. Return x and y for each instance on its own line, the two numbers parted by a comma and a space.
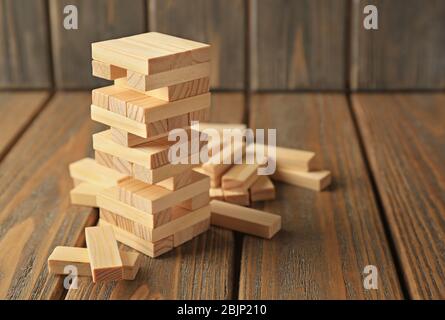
160, 83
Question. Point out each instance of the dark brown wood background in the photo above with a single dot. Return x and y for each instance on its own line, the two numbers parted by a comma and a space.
258, 45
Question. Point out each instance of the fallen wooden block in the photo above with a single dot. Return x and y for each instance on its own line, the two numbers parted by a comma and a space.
78, 257
262, 189
107, 71
88, 170
222, 161
216, 194
246, 220
152, 249
240, 176
315, 180
150, 53
84, 194
105, 261
237, 196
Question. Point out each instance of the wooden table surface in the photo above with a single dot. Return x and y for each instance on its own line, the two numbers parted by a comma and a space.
385, 207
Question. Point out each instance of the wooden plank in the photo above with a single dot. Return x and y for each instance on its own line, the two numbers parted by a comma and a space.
98, 20
84, 194
107, 71
105, 259
403, 138
246, 220
240, 176
88, 170
35, 210
297, 44
24, 45
18, 109
225, 32
262, 189
78, 257
376, 62
327, 238
315, 180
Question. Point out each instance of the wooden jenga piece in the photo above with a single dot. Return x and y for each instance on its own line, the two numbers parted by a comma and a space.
122, 166
103, 159
107, 71
246, 220
199, 115
130, 140
152, 249
240, 176
184, 235
78, 257
216, 194
315, 180
181, 90
196, 202
222, 161
118, 101
262, 189
176, 122
178, 181
101, 96
153, 176
215, 179
85, 194
88, 170
105, 261
237, 196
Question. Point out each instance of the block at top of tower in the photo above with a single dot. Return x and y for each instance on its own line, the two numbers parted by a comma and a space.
150, 53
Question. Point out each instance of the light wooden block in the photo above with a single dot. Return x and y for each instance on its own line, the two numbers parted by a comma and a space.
178, 181
240, 176
153, 176
200, 115
103, 159
262, 189
215, 179
176, 122
188, 234
88, 170
107, 71
153, 198
105, 260
118, 101
144, 82
196, 202
216, 194
122, 166
101, 96
85, 194
151, 249
222, 161
246, 220
181, 90
150, 53
184, 220
237, 196
315, 180
127, 139
78, 257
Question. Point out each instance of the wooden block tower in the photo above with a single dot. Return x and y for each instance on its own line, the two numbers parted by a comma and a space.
160, 83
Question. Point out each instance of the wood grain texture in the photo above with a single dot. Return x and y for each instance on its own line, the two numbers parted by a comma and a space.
327, 238
199, 269
98, 20
24, 44
18, 109
407, 50
297, 44
35, 210
208, 21
227, 107
404, 138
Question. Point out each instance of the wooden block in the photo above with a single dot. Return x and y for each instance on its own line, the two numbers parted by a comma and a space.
123, 166
237, 196
78, 257
108, 200
246, 220
150, 53
184, 220
200, 115
105, 260
107, 71
222, 161
85, 194
76, 182
153, 198
315, 180
176, 122
178, 181
103, 159
153, 176
185, 235
287, 158
196, 202
88, 170
152, 249
240, 176
181, 90
101, 96
216, 194
262, 189
118, 101
151, 109
143, 82
130, 140
215, 179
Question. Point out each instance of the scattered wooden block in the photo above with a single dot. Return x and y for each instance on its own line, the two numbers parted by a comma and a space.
152, 249
107, 71
78, 257
238, 196
143, 82
152, 198
150, 53
246, 220
88, 170
240, 176
182, 236
262, 189
196, 202
222, 161
105, 261
85, 194
315, 180
216, 194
